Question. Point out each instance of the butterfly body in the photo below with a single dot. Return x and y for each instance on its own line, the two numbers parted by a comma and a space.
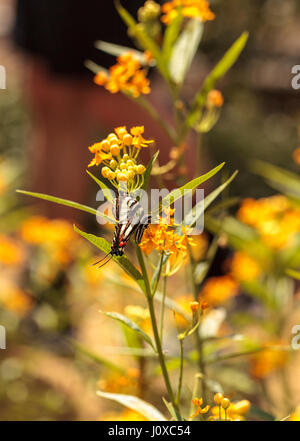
131, 219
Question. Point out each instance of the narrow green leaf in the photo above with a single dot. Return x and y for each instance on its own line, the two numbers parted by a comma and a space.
123, 261
93, 67
294, 274
97, 358
185, 49
108, 193
280, 179
178, 192
218, 72
62, 202
170, 408
143, 38
130, 324
136, 404
117, 50
170, 36
190, 219
147, 173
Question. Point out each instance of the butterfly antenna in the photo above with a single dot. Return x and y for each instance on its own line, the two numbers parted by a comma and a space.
105, 262
101, 260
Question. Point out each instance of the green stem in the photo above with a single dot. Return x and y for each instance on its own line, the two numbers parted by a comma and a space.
163, 307
145, 104
180, 372
198, 338
156, 334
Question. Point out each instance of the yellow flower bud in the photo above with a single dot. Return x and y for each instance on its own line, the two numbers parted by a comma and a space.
130, 174
218, 398
121, 132
140, 169
115, 150
123, 166
111, 175
242, 407
105, 171
125, 157
112, 137
113, 164
194, 306
105, 146
122, 177
130, 168
130, 162
225, 403
127, 139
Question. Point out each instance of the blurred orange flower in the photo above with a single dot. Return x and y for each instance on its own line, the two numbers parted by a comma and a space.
11, 253
218, 290
244, 268
189, 8
127, 76
267, 361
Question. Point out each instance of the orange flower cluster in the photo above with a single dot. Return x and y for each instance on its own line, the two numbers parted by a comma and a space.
244, 268
198, 402
161, 237
118, 152
226, 410
14, 299
126, 76
189, 8
11, 253
56, 236
265, 362
276, 221
218, 290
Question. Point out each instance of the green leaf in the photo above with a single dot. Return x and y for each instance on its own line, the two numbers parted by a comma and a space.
156, 276
185, 49
130, 324
94, 67
178, 192
218, 72
66, 202
148, 171
97, 358
256, 412
190, 217
117, 50
170, 408
122, 261
240, 237
108, 193
294, 274
143, 38
136, 404
280, 179
170, 36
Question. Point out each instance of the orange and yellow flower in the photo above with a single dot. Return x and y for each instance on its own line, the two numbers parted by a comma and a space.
233, 412
275, 220
127, 75
118, 154
11, 253
244, 268
265, 362
198, 402
218, 290
189, 8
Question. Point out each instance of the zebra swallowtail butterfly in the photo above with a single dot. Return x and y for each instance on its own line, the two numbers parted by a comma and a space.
131, 219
